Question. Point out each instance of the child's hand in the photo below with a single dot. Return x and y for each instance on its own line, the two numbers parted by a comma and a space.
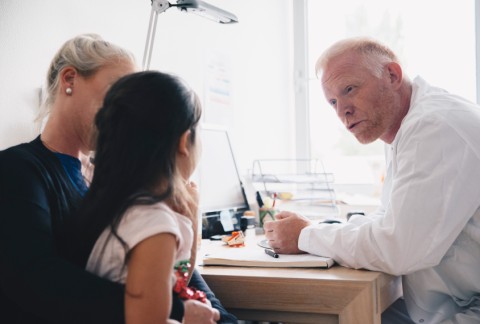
192, 201
189, 208
199, 313
187, 201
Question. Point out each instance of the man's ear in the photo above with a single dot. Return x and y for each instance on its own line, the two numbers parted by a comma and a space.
68, 76
184, 143
395, 74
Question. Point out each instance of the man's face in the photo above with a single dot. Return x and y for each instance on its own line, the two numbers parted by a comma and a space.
364, 102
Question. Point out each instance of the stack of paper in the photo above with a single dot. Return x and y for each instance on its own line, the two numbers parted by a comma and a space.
256, 257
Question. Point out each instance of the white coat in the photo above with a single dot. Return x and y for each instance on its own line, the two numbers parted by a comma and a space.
427, 228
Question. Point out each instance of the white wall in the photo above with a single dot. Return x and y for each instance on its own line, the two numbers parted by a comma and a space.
255, 54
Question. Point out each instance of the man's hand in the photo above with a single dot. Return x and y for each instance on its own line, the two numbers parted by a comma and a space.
199, 313
282, 234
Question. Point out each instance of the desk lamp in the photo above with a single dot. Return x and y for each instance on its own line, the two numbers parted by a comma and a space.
196, 6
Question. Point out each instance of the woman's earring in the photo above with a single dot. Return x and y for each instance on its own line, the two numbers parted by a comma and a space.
68, 91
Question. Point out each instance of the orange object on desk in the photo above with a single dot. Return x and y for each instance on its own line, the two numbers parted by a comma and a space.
237, 239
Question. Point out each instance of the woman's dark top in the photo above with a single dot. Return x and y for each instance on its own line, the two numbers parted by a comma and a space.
37, 284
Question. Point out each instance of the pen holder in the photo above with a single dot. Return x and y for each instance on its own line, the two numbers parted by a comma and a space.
267, 215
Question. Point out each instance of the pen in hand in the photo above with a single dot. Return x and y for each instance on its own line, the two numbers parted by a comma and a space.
271, 253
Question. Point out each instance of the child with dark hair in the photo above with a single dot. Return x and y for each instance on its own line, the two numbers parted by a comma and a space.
139, 217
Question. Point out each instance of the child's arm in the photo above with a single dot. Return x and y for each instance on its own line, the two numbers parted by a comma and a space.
192, 189
188, 207
148, 287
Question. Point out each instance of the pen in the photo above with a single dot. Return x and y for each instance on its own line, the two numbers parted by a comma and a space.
259, 200
271, 253
274, 198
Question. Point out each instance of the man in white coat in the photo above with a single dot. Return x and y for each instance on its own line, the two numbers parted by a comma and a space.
428, 226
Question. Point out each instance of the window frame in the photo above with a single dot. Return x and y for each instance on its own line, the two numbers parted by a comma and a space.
301, 79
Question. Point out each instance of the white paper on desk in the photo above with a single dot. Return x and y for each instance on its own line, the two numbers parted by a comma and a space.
243, 257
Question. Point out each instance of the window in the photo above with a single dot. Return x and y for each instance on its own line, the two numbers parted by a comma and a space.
434, 39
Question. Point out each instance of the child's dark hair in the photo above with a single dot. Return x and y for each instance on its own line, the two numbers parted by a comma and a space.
138, 131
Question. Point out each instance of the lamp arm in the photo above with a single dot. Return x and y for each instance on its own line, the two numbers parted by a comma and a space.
198, 6
158, 6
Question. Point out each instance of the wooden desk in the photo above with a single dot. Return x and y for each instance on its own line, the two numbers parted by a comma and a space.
301, 295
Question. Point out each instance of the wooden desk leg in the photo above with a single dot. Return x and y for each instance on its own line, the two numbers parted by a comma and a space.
361, 309
367, 307
389, 291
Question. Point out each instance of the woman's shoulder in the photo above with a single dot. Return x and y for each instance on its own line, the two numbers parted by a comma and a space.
25, 153
19, 158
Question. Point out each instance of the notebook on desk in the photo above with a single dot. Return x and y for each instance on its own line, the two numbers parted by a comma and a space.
244, 257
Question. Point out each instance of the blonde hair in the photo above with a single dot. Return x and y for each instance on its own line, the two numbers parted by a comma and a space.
374, 55
87, 53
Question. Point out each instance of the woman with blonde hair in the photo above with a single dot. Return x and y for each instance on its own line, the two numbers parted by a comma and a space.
41, 185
